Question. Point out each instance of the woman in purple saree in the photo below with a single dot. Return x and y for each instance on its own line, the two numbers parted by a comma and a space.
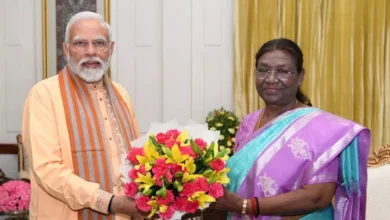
291, 159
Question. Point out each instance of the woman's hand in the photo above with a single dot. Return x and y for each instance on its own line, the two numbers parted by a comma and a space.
228, 202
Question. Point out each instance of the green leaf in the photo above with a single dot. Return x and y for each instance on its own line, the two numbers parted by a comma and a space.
164, 191
158, 145
210, 150
177, 185
159, 192
178, 174
168, 151
195, 148
179, 188
221, 154
207, 173
147, 192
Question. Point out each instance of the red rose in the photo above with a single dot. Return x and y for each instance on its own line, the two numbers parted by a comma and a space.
217, 164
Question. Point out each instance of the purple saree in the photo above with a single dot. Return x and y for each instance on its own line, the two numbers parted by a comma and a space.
300, 147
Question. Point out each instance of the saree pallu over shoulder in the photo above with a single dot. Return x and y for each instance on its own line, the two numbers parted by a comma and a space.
242, 161
304, 146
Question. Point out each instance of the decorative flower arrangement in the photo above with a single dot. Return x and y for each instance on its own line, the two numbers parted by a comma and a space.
227, 123
173, 174
14, 196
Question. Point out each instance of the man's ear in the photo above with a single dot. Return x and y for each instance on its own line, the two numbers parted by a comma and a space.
112, 46
65, 48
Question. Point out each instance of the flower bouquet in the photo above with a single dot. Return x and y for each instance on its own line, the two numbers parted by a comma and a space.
15, 197
175, 172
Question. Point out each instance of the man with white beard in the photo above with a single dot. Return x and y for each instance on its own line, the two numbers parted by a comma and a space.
75, 127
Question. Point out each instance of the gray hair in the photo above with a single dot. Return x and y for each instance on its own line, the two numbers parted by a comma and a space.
86, 15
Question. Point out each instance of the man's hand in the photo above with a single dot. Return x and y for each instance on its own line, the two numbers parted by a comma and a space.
126, 205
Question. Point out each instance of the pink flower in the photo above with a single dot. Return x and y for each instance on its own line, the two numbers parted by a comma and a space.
14, 195
168, 198
217, 164
131, 189
177, 168
201, 184
161, 167
216, 190
172, 134
132, 156
159, 177
133, 174
142, 203
188, 190
191, 207
180, 204
200, 143
168, 213
161, 138
187, 150
169, 143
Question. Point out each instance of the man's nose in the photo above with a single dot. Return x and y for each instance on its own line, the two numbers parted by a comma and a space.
90, 50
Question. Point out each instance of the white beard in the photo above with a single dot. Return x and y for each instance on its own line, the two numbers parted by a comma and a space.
89, 74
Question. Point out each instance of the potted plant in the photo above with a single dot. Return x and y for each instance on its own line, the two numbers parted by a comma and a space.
227, 123
15, 199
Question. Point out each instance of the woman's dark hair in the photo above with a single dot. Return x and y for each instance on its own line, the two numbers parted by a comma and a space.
292, 48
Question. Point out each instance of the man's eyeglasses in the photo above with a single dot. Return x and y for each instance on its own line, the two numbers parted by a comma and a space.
83, 44
280, 74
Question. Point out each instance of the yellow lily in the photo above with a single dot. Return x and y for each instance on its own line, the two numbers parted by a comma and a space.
151, 155
146, 180
219, 177
183, 136
176, 156
190, 165
201, 197
188, 177
154, 205
163, 208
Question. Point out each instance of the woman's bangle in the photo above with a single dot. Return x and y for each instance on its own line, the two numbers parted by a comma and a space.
253, 203
243, 212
